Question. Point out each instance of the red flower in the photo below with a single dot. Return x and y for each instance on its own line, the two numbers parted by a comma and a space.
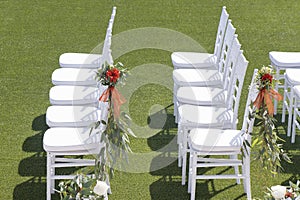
267, 77
113, 75
289, 194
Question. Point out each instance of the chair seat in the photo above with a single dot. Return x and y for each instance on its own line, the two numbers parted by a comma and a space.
73, 95
297, 90
201, 95
74, 76
70, 139
197, 77
216, 140
205, 116
293, 76
285, 59
80, 60
71, 116
193, 60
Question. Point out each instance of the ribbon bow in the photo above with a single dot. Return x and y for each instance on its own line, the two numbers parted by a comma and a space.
266, 96
116, 98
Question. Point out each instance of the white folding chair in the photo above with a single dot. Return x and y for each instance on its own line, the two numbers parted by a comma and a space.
62, 141
291, 79
204, 142
85, 60
69, 134
296, 112
205, 77
74, 95
203, 60
72, 116
282, 61
192, 116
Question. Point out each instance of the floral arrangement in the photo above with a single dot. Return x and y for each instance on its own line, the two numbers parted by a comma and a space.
83, 186
270, 151
279, 192
115, 137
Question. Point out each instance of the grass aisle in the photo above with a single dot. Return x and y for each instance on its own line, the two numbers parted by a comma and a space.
34, 33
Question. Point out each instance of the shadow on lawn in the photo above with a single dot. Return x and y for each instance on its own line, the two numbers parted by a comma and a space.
169, 185
34, 166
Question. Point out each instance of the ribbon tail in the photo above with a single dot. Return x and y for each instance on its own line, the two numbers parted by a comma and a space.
118, 100
105, 95
276, 95
269, 103
259, 99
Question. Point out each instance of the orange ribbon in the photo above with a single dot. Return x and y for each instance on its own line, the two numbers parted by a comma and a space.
266, 96
116, 98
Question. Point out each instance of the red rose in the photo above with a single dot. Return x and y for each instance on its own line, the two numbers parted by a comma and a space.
113, 75
267, 77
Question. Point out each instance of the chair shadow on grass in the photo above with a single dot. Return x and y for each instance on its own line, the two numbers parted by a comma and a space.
165, 165
34, 167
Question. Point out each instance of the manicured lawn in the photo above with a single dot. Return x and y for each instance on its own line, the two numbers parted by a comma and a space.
34, 33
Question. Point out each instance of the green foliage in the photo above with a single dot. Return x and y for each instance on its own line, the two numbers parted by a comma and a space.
270, 151
80, 187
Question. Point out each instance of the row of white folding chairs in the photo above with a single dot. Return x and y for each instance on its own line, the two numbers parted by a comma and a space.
205, 143
201, 87
74, 108
212, 116
289, 63
185, 93
209, 115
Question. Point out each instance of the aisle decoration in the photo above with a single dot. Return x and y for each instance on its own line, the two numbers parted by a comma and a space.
279, 192
114, 128
270, 151
115, 135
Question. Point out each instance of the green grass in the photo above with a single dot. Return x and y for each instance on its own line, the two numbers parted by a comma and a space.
34, 33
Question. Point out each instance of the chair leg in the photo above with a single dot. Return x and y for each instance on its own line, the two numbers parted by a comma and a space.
294, 121
184, 156
276, 87
236, 169
175, 102
183, 169
179, 142
284, 102
52, 173
49, 162
194, 175
290, 109
247, 184
190, 173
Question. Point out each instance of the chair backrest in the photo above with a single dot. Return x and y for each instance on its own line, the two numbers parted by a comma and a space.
106, 51
248, 120
226, 48
235, 91
220, 33
231, 63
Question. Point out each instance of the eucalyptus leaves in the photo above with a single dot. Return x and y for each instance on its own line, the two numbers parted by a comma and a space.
270, 151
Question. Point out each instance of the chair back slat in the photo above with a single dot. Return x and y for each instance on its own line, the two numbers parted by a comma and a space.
221, 32
106, 51
234, 92
249, 109
226, 48
231, 61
